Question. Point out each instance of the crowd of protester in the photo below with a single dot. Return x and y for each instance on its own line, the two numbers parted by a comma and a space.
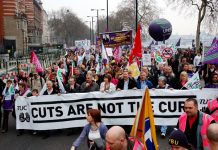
85, 76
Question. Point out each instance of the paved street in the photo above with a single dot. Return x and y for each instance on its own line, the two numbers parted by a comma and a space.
57, 141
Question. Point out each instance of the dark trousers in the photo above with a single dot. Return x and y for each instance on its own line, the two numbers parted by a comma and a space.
0, 113
5, 119
19, 131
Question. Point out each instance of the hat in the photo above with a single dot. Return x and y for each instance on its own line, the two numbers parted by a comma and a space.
178, 138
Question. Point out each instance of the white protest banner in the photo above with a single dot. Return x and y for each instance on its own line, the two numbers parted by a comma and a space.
153, 48
82, 43
117, 108
109, 51
146, 59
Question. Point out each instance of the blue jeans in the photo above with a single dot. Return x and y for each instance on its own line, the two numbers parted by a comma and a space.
163, 129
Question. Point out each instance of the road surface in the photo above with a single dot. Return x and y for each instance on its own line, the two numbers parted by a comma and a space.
59, 140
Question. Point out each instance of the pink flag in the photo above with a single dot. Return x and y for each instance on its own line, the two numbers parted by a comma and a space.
34, 60
117, 54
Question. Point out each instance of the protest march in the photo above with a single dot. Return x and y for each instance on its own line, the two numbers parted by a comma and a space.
122, 89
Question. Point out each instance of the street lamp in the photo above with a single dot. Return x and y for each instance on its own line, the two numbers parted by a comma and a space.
97, 17
107, 17
92, 27
136, 18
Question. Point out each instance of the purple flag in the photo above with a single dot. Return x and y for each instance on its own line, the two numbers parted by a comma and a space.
214, 40
212, 54
178, 43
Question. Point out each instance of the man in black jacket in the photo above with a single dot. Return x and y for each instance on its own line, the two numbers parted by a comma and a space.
72, 86
126, 83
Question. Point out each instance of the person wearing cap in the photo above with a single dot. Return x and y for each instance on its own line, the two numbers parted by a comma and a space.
212, 135
194, 124
178, 140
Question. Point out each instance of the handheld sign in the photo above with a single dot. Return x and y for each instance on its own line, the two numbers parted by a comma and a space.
167, 52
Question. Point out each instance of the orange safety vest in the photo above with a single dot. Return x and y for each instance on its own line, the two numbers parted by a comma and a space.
204, 122
137, 144
212, 106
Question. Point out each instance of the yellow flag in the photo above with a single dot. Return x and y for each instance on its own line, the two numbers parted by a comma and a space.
144, 127
134, 69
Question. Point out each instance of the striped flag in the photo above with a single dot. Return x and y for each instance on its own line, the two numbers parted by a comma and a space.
144, 127
60, 79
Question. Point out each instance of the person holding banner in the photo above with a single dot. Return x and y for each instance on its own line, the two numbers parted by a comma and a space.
143, 82
49, 91
89, 85
126, 83
95, 131
107, 86
7, 104
183, 79
162, 84
116, 139
72, 86
23, 91
194, 124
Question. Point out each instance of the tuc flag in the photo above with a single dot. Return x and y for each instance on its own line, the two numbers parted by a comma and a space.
34, 60
143, 127
137, 47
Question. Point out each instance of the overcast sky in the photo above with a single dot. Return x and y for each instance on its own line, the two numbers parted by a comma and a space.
182, 25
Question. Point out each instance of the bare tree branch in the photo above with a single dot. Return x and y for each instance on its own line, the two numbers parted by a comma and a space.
195, 4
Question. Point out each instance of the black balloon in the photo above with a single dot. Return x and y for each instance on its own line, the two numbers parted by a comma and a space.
160, 29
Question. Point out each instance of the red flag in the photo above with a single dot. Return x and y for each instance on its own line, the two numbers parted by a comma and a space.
34, 60
137, 47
